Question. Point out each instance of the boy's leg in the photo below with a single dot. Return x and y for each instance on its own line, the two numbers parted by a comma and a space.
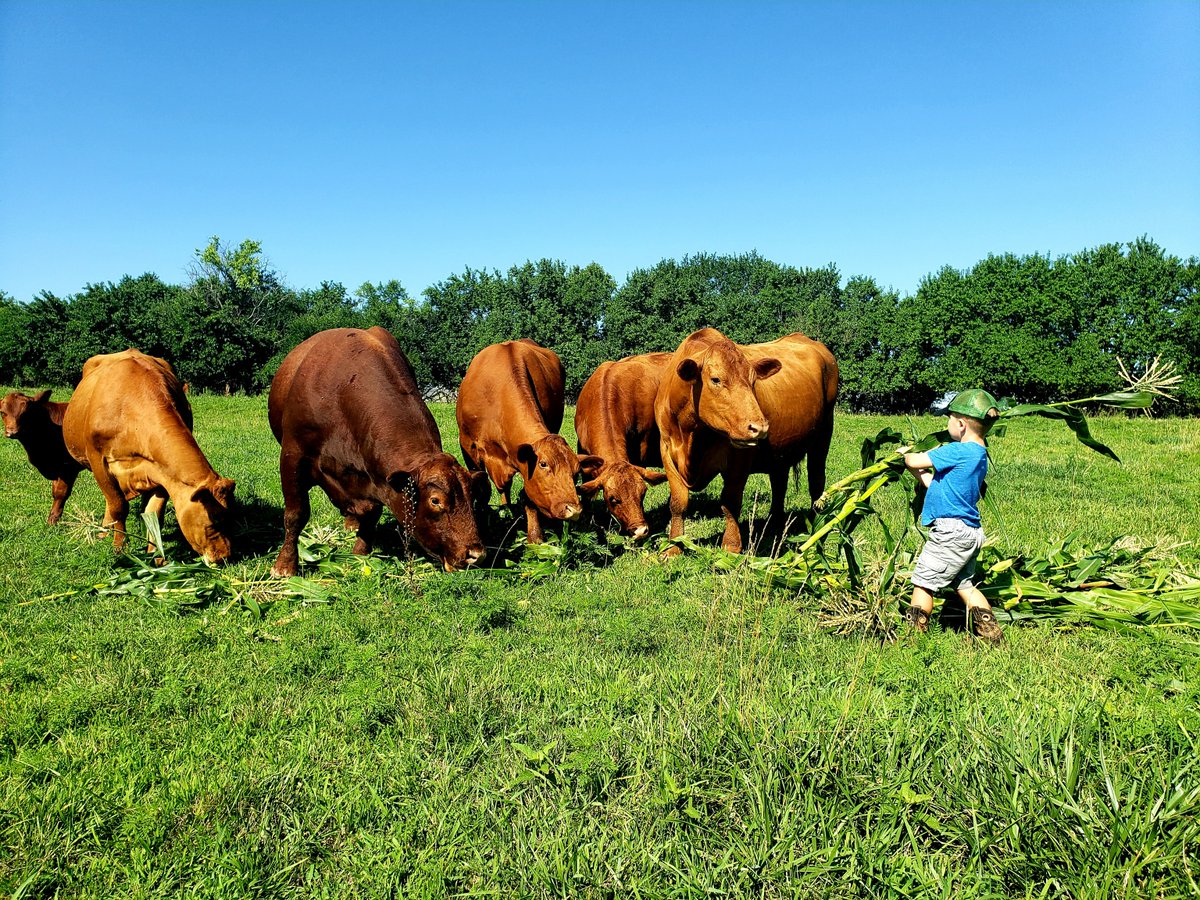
979, 614
920, 608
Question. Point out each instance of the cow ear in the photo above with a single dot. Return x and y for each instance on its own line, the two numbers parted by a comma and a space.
399, 481
527, 456
765, 368
688, 369
590, 465
481, 488
653, 477
589, 488
42, 397
223, 490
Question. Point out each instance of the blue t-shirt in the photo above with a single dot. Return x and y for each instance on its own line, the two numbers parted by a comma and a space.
959, 470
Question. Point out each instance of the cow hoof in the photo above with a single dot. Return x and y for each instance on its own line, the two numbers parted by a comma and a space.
278, 571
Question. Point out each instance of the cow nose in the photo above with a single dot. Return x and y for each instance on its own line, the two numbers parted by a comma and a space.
639, 533
572, 512
474, 555
757, 429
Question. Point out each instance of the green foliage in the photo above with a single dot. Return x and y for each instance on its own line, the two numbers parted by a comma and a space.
621, 727
1030, 327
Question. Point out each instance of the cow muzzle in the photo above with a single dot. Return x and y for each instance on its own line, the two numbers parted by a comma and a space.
755, 432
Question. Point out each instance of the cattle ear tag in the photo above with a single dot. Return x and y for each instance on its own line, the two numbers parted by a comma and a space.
688, 370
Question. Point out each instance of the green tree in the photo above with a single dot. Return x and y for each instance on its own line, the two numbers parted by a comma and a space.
233, 319
12, 339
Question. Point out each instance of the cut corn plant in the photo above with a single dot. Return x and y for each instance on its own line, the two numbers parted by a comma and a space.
1117, 586
190, 586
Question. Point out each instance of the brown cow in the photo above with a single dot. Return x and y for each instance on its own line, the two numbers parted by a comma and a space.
349, 419
798, 404
510, 407
614, 420
130, 422
710, 421
36, 422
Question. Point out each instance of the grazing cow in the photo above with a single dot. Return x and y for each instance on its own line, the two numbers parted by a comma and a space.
36, 422
710, 421
510, 407
130, 422
798, 404
614, 420
348, 415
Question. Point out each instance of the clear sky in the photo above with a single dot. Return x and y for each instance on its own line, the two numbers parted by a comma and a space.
365, 141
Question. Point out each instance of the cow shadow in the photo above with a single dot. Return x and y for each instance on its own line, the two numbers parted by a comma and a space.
257, 527
762, 535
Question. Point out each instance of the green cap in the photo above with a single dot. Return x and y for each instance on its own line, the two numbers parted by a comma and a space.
975, 403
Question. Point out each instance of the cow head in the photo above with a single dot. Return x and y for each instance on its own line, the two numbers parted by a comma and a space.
436, 506
722, 381
204, 518
17, 409
624, 486
549, 466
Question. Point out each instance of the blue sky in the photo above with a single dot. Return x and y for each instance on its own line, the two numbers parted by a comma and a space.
370, 141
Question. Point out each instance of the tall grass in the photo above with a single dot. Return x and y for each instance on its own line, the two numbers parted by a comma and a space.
642, 728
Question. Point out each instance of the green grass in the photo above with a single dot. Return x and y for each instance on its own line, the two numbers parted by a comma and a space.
638, 729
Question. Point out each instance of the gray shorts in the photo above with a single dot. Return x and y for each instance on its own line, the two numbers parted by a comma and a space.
948, 558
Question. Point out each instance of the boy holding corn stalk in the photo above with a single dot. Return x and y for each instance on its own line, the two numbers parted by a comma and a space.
953, 477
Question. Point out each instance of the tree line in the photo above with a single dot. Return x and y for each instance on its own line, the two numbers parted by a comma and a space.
1027, 327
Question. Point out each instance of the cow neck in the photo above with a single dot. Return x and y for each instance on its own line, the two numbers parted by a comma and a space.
610, 445
175, 455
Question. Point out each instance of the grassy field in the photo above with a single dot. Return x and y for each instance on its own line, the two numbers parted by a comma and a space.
634, 728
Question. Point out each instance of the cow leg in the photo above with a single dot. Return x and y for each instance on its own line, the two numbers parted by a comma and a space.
502, 477
116, 507
678, 504
367, 517
533, 523
60, 490
779, 485
733, 490
296, 512
818, 452
156, 505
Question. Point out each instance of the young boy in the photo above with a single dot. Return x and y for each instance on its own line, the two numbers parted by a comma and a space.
953, 476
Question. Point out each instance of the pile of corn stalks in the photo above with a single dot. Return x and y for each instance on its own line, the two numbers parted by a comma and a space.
1117, 586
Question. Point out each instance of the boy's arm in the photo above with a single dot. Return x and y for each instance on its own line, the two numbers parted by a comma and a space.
921, 466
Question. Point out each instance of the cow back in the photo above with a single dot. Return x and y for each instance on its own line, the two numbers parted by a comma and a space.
353, 393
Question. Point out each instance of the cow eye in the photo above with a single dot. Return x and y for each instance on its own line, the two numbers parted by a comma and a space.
614, 501
715, 380
543, 465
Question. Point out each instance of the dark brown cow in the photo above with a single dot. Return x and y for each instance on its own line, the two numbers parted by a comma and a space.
798, 404
36, 422
710, 420
130, 422
614, 420
510, 407
349, 419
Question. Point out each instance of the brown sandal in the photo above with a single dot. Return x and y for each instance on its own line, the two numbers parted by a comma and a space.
917, 619
985, 626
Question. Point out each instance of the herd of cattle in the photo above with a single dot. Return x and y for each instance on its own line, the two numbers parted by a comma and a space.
349, 418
